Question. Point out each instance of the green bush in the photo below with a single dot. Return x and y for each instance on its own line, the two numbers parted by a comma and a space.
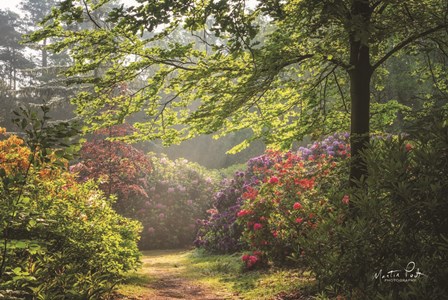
397, 217
60, 239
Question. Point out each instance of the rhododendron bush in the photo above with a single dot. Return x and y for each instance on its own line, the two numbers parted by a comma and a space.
59, 238
287, 204
396, 219
276, 198
166, 196
220, 233
179, 192
119, 168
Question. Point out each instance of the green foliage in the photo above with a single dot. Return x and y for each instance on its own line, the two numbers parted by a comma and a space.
398, 219
281, 68
59, 239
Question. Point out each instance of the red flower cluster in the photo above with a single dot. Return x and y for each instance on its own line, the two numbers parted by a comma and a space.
346, 199
297, 206
257, 226
305, 183
243, 212
250, 193
251, 260
273, 180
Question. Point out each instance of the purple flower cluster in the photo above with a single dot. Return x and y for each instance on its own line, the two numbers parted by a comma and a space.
336, 146
220, 233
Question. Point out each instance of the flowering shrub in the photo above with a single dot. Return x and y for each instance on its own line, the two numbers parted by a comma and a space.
166, 196
251, 261
119, 168
394, 217
59, 238
221, 233
179, 192
333, 146
286, 205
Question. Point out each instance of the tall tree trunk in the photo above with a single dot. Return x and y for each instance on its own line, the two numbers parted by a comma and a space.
360, 76
44, 55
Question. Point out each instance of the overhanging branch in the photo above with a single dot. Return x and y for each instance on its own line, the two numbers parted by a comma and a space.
405, 43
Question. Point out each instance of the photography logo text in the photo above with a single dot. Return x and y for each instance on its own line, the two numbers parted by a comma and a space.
409, 274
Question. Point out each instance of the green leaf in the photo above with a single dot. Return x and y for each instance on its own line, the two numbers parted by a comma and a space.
32, 223
21, 244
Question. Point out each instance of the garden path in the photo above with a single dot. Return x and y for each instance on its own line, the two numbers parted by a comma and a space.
164, 277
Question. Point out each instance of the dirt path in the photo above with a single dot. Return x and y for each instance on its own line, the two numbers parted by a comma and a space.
163, 276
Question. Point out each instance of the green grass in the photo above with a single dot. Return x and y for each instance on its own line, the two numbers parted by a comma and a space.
226, 271
221, 274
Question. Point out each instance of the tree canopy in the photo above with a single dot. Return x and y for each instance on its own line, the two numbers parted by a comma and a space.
285, 69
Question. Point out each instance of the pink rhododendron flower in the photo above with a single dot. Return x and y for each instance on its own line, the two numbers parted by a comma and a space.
243, 212
257, 226
346, 199
299, 220
297, 206
408, 147
252, 260
212, 211
245, 257
273, 180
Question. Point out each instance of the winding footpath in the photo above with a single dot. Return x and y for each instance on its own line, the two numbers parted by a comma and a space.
164, 276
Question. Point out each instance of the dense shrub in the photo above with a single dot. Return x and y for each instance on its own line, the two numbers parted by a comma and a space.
119, 168
221, 233
396, 220
166, 196
287, 205
60, 239
180, 192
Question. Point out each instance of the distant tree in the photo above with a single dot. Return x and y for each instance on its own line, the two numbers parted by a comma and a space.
34, 12
12, 54
312, 74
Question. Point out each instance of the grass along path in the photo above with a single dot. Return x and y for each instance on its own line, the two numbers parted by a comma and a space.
191, 274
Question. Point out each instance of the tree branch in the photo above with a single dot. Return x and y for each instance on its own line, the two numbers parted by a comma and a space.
405, 43
89, 15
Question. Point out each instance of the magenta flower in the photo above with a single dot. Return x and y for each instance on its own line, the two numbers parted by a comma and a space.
273, 180
257, 226
297, 206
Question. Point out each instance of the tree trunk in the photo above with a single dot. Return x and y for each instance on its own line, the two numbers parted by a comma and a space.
360, 76
44, 55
